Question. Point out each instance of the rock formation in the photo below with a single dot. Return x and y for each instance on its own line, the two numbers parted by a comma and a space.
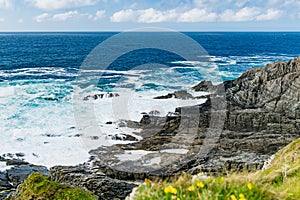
242, 124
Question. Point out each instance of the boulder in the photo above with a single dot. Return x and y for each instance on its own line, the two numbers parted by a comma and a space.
93, 180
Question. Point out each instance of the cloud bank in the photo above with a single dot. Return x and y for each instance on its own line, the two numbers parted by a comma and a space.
152, 15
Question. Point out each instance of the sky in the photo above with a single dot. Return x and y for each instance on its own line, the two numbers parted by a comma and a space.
122, 15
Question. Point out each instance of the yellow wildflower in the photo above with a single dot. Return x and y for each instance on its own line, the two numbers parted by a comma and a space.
200, 184
191, 188
232, 197
178, 198
170, 189
147, 181
242, 197
249, 185
222, 180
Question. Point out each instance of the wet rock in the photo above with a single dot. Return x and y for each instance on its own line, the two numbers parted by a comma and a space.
205, 86
17, 174
154, 113
20, 154
4, 182
16, 162
122, 137
168, 96
182, 94
100, 96
93, 180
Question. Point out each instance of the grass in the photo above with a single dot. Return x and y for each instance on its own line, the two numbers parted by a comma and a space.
280, 181
38, 187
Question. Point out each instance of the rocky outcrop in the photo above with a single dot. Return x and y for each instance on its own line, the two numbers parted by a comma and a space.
242, 123
80, 176
18, 171
274, 88
93, 180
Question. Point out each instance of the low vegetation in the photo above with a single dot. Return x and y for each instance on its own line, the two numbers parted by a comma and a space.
281, 180
38, 187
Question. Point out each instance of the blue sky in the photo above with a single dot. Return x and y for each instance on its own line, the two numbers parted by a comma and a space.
119, 15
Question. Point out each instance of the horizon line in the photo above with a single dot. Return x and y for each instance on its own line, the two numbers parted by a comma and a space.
132, 30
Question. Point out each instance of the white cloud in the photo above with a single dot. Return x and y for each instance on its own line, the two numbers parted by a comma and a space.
123, 16
155, 16
6, 4
60, 4
20, 20
100, 14
42, 17
69, 15
249, 14
144, 16
197, 15
2, 19
270, 15
152, 15
244, 14
65, 16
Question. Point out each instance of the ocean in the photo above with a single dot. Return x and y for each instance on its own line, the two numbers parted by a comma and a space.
50, 83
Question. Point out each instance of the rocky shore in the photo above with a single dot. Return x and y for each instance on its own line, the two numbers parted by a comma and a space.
242, 123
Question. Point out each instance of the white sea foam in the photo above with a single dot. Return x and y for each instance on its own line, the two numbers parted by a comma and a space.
38, 119
37, 116
3, 166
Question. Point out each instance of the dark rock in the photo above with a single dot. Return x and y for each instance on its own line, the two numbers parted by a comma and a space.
4, 182
182, 94
20, 154
100, 96
168, 96
51, 135
4, 194
108, 123
93, 180
274, 88
122, 137
154, 113
205, 86
20, 139
146, 120
17, 174
16, 162
94, 137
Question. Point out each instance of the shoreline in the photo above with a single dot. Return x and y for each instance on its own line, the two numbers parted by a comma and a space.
256, 126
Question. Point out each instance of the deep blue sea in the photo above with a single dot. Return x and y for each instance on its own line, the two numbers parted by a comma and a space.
41, 72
